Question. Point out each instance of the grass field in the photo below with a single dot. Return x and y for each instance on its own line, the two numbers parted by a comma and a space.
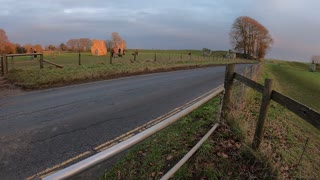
26, 73
285, 133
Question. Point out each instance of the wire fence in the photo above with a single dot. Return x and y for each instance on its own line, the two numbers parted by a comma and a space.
289, 143
74, 59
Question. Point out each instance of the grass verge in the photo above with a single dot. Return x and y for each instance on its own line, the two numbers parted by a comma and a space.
221, 156
285, 133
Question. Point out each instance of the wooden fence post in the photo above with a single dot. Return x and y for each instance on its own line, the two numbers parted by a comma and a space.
155, 57
41, 61
266, 98
228, 85
135, 57
5, 64
2, 64
79, 58
111, 54
12, 62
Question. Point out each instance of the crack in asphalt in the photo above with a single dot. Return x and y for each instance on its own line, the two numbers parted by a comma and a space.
52, 107
81, 129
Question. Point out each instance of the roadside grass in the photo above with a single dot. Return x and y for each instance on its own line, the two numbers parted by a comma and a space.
27, 74
221, 156
285, 133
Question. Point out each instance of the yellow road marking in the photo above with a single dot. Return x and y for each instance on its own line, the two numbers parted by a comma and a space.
51, 170
118, 139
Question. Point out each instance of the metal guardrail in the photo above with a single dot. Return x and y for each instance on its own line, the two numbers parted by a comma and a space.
189, 154
114, 150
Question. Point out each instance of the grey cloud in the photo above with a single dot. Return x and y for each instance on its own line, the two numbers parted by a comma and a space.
164, 24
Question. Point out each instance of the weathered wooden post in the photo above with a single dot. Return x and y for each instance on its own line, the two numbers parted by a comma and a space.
155, 57
5, 64
2, 64
134, 56
79, 58
228, 86
266, 97
41, 61
12, 62
111, 56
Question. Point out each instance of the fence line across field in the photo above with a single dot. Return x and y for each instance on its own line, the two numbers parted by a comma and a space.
308, 114
4, 61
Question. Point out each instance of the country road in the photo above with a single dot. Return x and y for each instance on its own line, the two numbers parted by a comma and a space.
42, 130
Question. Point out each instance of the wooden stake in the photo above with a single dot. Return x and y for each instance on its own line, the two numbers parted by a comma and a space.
228, 86
263, 113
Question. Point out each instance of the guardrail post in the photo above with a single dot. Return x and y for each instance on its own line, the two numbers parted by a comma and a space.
266, 98
41, 61
228, 86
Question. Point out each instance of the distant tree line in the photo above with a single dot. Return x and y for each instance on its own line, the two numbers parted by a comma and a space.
115, 44
250, 37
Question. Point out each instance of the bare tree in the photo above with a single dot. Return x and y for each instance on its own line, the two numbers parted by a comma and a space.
117, 43
116, 39
250, 37
72, 44
315, 60
84, 44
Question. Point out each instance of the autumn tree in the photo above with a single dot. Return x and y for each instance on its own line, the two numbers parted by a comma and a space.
28, 47
250, 37
38, 47
9, 48
3, 41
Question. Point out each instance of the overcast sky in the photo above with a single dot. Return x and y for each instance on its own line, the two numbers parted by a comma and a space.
164, 24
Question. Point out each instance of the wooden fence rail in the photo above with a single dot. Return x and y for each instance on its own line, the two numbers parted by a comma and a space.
4, 61
303, 111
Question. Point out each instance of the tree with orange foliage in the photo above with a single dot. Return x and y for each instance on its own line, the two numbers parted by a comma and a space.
3, 41
250, 37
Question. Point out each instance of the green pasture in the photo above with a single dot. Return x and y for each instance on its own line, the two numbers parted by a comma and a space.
26, 73
68, 59
290, 143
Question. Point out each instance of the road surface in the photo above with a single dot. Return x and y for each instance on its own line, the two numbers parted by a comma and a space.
44, 130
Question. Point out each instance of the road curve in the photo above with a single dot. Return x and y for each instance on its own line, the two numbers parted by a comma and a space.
42, 129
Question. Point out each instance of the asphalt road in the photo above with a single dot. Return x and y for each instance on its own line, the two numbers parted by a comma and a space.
42, 129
